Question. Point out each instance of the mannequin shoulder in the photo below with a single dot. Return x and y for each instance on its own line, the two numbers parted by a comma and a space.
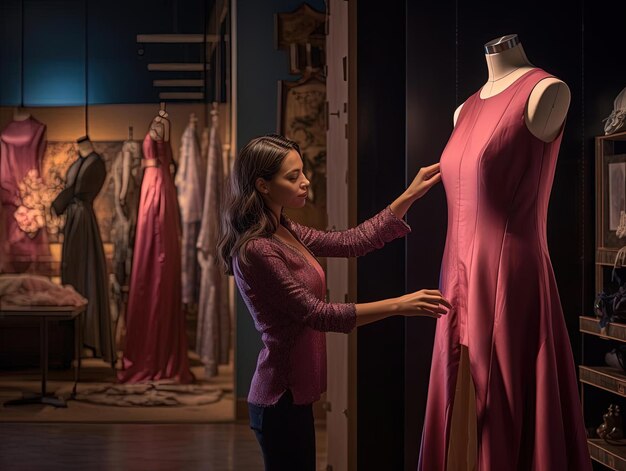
457, 112
547, 108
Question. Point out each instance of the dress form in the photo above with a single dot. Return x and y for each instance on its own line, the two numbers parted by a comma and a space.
547, 104
83, 262
545, 112
85, 146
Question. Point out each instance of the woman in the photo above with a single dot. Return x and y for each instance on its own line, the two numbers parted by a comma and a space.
283, 285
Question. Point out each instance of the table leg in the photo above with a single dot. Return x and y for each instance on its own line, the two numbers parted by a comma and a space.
43, 355
77, 351
45, 399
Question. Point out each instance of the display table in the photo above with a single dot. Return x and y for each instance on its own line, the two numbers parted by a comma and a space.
45, 314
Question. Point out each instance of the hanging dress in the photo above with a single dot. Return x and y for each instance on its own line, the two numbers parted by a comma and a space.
497, 273
83, 265
126, 170
156, 342
214, 325
190, 181
22, 145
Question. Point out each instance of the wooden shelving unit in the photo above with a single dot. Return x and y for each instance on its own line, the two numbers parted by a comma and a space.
602, 385
611, 456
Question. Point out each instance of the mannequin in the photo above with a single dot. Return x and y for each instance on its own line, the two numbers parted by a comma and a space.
549, 101
83, 264
502, 356
156, 341
545, 113
85, 146
22, 147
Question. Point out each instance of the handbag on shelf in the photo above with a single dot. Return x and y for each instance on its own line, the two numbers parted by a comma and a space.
616, 121
616, 358
611, 306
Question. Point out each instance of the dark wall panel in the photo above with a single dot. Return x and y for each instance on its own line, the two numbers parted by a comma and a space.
380, 179
54, 52
604, 78
10, 26
430, 104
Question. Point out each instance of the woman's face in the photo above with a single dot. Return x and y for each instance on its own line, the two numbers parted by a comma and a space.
289, 187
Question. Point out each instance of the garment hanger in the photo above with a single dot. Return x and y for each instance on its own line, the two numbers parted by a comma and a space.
159, 128
85, 138
85, 146
19, 113
162, 111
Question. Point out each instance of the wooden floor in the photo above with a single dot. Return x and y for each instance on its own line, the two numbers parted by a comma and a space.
140, 447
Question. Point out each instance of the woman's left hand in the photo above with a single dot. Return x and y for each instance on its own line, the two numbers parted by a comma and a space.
426, 178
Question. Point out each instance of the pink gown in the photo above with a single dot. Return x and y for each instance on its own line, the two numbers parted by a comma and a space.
156, 341
22, 145
498, 276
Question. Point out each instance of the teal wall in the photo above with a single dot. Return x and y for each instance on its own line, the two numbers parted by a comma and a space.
259, 68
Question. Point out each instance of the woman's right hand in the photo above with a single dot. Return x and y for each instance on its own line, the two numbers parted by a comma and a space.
425, 302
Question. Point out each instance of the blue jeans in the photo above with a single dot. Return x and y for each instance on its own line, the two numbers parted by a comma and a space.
286, 433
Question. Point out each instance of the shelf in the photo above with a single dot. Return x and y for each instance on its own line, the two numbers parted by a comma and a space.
618, 136
604, 377
181, 96
178, 83
606, 255
613, 456
178, 67
177, 38
613, 331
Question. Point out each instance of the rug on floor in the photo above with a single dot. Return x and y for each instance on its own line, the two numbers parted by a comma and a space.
150, 394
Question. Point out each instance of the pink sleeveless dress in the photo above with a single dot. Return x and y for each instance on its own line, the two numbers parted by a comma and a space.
497, 273
156, 342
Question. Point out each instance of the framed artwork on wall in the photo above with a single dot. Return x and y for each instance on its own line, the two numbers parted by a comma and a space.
301, 108
612, 194
303, 33
302, 118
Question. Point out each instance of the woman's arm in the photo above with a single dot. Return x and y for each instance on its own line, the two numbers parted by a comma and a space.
373, 233
366, 237
270, 285
426, 178
426, 302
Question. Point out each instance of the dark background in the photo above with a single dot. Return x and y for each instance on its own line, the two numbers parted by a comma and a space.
414, 69
56, 33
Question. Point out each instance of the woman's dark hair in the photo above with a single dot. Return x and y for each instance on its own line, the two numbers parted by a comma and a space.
245, 215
